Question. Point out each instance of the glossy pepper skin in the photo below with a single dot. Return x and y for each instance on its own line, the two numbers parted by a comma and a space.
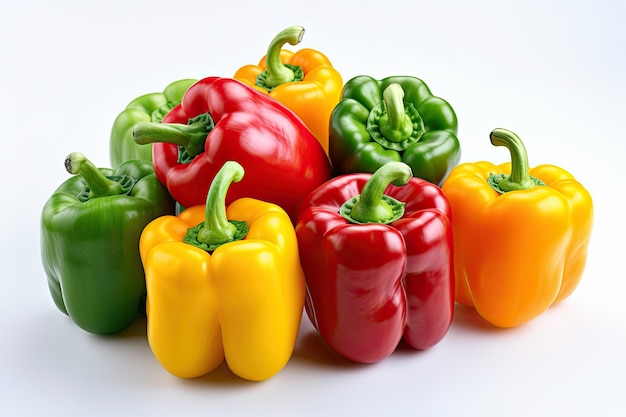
396, 119
521, 235
221, 119
150, 107
219, 290
371, 284
304, 81
90, 230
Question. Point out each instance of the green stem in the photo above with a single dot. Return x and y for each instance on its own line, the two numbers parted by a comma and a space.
217, 229
372, 206
395, 124
520, 178
277, 73
191, 136
99, 185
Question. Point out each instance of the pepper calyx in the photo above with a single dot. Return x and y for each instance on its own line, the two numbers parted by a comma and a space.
191, 237
372, 206
394, 123
502, 184
159, 113
261, 79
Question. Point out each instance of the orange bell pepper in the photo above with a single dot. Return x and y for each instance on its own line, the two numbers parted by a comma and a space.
520, 235
304, 81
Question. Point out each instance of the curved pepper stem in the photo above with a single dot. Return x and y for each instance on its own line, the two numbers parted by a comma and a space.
278, 73
393, 123
99, 185
191, 137
216, 229
372, 206
519, 179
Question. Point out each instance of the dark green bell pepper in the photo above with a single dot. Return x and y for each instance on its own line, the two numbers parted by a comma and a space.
147, 108
396, 119
90, 229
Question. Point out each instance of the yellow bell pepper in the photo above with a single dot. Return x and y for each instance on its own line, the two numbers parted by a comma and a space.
223, 283
520, 235
304, 81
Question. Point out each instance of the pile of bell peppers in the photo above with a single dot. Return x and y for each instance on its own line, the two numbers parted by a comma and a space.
234, 205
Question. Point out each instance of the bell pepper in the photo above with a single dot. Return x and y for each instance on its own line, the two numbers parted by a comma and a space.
304, 81
521, 234
376, 251
223, 283
221, 119
392, 120
90, 230
147, 108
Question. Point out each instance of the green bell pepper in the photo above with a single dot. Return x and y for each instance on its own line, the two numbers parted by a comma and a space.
396, 119
90, 229
147, 108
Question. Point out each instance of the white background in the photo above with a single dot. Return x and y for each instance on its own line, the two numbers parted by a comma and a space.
551, 71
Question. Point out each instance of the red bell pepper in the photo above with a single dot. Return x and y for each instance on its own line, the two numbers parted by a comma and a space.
221, 119
378, 265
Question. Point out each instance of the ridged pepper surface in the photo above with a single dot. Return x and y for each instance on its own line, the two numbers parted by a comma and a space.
377, 260
521, 235
223, 283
